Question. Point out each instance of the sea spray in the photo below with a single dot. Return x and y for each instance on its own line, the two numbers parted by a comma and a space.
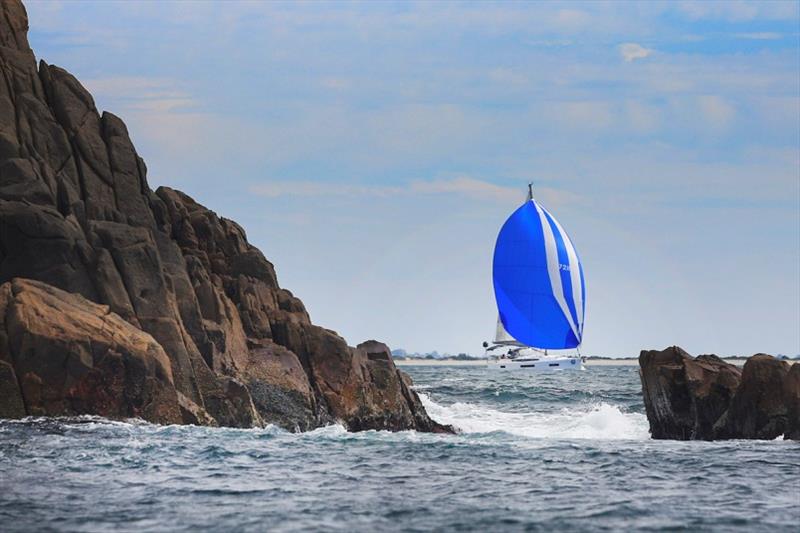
591, 421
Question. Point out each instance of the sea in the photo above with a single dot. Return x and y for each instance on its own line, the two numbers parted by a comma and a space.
563, 451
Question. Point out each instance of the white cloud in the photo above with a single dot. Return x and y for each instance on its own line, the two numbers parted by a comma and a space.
760, 36
155, 95
462, 185
571, 19
718, 113
585, 116
467, 186
642, 117
738, 10
633, 51
278, 188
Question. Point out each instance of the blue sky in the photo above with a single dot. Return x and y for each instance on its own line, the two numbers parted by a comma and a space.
373, 150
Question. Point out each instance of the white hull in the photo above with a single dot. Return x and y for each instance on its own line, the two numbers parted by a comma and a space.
541, 364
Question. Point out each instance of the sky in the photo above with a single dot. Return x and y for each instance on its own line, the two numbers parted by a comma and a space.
372, 151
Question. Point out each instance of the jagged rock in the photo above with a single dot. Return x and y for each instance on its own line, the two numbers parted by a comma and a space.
239, 395
76, 213
389, 402
14, 33
193, 414
759, 409
11, 404
71, 356
280, 388
791, 391
705, 398
683, 396
40, 243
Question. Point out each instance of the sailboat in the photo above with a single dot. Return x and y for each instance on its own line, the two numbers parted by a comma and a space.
540, 294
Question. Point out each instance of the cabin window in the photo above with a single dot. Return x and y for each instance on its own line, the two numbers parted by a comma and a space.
526, 366
553, 364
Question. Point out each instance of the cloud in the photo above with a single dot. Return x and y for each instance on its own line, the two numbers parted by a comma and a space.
718, 113
278, 188
633, 51
642, 117
155, 95
462, 185
738, 10
571, 19
467, 186
760, 36
585, 115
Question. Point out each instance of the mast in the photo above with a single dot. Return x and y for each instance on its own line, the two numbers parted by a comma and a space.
530, 191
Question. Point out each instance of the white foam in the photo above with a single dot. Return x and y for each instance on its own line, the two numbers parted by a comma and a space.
597, 421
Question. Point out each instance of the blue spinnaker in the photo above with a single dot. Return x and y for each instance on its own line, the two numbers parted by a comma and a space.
538, 280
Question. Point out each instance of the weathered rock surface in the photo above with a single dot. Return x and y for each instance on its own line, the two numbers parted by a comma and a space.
76, 213
389, 402
791, 392
705, 398
64, 355
684, 396
760, 408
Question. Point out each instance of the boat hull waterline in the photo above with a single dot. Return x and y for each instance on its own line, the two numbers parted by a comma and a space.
545, 364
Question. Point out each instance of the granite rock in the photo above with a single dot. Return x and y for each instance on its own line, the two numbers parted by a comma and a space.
705, 398
77, 214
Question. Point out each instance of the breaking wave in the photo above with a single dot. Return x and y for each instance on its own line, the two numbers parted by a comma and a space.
589, 421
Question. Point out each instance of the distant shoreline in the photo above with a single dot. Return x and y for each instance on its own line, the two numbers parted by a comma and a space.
739, 361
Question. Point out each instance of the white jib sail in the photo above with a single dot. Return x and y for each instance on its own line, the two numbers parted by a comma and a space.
501, 335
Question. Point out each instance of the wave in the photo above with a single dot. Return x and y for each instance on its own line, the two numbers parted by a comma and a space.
592, 421
599, 421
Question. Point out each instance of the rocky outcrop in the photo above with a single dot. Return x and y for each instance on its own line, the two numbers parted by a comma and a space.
76, 213
64, 355
684, 396
705, 398
760, 408
390, 401
791, 395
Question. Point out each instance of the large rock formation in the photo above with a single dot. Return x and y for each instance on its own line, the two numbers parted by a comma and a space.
705, 398
65, 355
760, 408
683, 396
76, 213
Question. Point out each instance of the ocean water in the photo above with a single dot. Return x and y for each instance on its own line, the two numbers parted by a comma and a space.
568, 452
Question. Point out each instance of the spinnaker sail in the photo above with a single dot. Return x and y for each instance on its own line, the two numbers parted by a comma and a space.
538, 281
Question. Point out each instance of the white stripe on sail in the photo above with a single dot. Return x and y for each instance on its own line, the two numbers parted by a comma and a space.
574, 275
551, 252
